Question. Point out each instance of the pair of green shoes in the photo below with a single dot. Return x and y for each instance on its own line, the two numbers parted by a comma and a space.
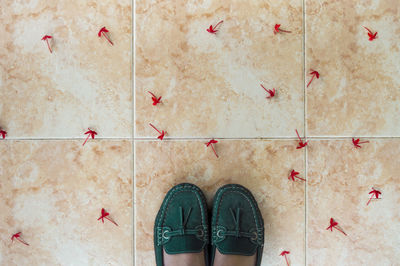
182, 225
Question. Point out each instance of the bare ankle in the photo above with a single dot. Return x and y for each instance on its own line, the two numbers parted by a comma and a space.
184, 259
233, 260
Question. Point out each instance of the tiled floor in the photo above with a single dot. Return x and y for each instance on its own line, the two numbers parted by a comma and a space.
53, 188
339, 179
210, 88
210, 84
358, 92
53, 191
59, 95
260, 165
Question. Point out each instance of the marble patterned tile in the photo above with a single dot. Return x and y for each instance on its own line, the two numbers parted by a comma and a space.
53, 191
261, 166
210, 83
340, 178
84, 83
357, 93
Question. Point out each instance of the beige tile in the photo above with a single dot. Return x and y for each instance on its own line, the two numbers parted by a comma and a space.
210, 84
357, 93
53, 191
84, 83
339, 180
261, 166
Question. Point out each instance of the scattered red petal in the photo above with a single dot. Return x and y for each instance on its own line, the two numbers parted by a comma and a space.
17, 236
155, 99
162, 133
293, 175
3, 133
213, 29
374, 193
314, 74
46, 38
210, 143
104, 215
372, 36
277, 29
284, 253
301, 143
90, 133
334, 224
271, 92
356, 142
103, 32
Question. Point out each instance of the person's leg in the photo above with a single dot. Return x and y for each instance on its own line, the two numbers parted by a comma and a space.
237, 228
184, 259
181, 228
233, 260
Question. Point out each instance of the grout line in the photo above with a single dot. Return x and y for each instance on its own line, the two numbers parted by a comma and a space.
305, 132
304, 75
350, 137
305, 206
133, 85
201, 138
65, 139
266, 138
208, 138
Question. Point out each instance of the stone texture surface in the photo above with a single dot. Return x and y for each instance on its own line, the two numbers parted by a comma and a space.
357, 93
53, 192
339, 180
210, 83
261, 166
85, 82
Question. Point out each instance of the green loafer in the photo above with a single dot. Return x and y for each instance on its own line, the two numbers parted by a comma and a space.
237, 225
181, 224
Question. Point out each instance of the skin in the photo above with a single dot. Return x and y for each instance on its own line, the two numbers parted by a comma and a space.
233, 260
184, 259
197, 259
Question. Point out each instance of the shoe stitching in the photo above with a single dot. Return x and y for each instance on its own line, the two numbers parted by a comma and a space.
171, 196
248, 197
